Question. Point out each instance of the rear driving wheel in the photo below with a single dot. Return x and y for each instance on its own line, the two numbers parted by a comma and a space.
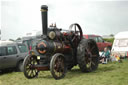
88, 55
57, 66
28, 65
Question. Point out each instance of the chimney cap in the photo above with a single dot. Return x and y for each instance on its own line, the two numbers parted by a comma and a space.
45, 7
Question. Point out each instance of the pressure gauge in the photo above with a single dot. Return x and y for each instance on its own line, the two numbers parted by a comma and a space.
52, 35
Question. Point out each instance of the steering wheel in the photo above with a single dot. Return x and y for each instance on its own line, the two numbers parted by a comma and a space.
77, 33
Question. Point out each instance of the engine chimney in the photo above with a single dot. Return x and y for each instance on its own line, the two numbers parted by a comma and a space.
44, 9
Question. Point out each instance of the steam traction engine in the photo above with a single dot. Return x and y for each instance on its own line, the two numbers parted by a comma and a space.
59, 50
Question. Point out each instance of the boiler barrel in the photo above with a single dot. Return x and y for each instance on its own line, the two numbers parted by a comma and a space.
44, 47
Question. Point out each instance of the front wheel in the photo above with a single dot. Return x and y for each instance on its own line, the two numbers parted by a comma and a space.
57, 66
28, 65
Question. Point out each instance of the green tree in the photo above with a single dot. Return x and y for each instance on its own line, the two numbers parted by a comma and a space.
11, 39
18, 38
112, 35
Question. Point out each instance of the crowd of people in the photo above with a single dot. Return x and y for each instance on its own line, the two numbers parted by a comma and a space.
106, 56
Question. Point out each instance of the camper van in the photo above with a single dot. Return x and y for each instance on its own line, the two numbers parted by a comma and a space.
120, 45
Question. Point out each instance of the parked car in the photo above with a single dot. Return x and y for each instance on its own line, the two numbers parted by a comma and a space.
12, 55
100, 42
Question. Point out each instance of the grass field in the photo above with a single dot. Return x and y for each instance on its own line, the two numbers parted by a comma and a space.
107, 74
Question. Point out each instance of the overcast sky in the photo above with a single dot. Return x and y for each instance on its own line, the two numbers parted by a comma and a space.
102, 17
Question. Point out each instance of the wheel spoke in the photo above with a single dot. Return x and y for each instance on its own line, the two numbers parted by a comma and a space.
75, 28
34, 72
31, 73
92, 62
88, 64
88, 47
28, 70
73, 38
59, 72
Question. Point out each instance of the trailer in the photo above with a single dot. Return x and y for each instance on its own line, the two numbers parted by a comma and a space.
120, 45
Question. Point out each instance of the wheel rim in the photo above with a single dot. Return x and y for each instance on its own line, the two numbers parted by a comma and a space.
29, 70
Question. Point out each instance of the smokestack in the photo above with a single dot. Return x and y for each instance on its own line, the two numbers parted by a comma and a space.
44, 9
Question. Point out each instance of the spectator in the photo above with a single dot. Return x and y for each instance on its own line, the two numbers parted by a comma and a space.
105, 56
113, 58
